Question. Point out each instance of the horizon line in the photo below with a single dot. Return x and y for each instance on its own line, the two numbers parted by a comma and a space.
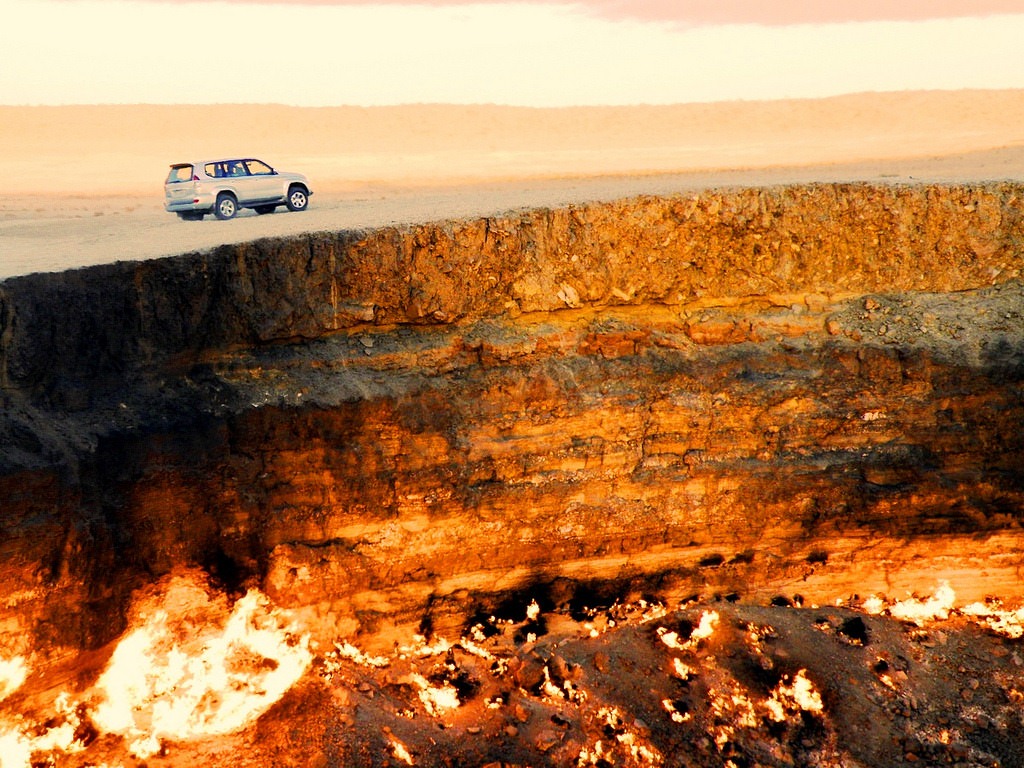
500, 105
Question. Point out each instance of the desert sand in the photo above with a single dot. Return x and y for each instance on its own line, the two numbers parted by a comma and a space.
82, 184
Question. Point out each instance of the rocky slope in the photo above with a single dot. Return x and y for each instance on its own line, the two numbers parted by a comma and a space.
739, 395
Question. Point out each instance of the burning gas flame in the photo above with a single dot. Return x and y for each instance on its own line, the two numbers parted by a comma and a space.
435, 699
169, 679
163, 683
705, 628
400, 752
999, 620
12, 674
936, 607
621, 742
190, 667
798, 696
940, 605
21, 747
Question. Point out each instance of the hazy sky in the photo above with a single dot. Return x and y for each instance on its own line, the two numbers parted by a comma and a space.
333, 52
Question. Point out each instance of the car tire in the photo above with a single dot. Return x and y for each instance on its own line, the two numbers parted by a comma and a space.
226, 207
264, 209
298, 199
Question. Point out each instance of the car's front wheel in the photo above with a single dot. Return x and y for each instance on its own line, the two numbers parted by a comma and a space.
226, 206
298, 199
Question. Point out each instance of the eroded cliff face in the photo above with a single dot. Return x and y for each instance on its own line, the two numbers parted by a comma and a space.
814, 390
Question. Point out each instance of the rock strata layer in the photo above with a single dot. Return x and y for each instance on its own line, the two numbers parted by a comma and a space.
813, 390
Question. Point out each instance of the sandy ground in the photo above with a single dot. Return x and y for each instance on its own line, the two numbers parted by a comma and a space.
82, 185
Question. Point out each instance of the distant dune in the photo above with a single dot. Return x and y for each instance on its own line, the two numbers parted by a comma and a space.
126, 149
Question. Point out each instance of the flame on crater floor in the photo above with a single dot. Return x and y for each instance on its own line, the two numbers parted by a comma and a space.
23, 741
12, 675
800, 695
193, 665
181, 674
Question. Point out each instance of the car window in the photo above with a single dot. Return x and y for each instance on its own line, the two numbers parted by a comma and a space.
179, 173
258, 168
225, 168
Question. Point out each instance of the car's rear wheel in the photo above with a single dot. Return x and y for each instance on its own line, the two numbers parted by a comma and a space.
298, 199
226, 206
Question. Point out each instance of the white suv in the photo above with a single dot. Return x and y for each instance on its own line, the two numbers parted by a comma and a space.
222, 187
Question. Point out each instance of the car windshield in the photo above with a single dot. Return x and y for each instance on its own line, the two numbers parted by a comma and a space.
179, 173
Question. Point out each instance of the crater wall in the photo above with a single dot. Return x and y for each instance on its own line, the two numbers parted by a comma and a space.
744, 393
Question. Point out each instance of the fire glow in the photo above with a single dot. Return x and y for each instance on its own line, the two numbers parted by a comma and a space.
182, 672
789, 698
193, 665
934, 608
12, 675
942, 604
704, 629
19, 745
170, 680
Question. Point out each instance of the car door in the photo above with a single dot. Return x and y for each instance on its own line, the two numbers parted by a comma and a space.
263, 182
237, 178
